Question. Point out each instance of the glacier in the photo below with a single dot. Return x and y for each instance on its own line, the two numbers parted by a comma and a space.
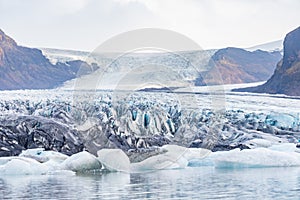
68, 122
63, 129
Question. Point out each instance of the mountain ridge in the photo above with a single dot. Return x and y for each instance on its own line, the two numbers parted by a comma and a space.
286, 77
27, 68
235, 65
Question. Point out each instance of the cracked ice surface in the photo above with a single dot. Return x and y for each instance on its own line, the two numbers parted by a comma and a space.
73, 121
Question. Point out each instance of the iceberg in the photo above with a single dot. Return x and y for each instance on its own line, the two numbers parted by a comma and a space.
81, 162
260, 157
114, 160
22, 166
42, 156
41, 162
175, 157
256, 143
31, 162
277, 155
170, 157
286, 147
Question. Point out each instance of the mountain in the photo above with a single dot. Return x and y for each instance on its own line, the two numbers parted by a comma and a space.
286, 78
270, 46
235, 65
28, 68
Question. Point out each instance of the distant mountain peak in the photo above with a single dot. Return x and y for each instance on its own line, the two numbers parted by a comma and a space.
28, 68
6, 40
234, 65
1, 32
291, 48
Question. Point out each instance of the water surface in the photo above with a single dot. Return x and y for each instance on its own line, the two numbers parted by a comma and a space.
190, 183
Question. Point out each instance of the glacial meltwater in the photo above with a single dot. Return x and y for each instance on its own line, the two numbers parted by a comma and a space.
190, 183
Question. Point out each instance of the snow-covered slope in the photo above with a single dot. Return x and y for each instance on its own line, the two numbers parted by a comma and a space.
60, 55
135, 70
138, 71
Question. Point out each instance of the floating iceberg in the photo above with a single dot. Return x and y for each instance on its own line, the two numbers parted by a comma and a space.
168, 160
260, 157
41, 162
170, 157
174, 157
42, 156
114, 160
81, 162
21, 166
279, 155
256, 143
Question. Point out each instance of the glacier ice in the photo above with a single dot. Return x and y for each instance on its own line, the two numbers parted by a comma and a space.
283, 120
168, 157
69, 122
255, 143
174, 157
277, 155
21, 166
287, 147
81, 162
260, 157
42, 156
114, 160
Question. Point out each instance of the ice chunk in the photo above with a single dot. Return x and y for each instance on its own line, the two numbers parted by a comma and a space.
260, 157
114, 160
281, 120
159, 162
208, 161
197, 153
81, 162
285, 147
175, 157
21, 166
42, 156
256, 143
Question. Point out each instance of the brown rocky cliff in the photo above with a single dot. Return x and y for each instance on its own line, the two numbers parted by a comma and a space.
28, 68
286, 78
235, 65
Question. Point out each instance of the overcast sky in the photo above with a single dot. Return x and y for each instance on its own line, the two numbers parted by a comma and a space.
85, 24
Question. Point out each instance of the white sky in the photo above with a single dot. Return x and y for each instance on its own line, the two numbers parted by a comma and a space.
85, 24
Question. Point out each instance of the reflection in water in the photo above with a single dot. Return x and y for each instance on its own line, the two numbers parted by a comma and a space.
204, 182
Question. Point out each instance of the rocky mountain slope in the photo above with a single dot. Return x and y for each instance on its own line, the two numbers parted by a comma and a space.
235, 65
28, 68
286, 77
